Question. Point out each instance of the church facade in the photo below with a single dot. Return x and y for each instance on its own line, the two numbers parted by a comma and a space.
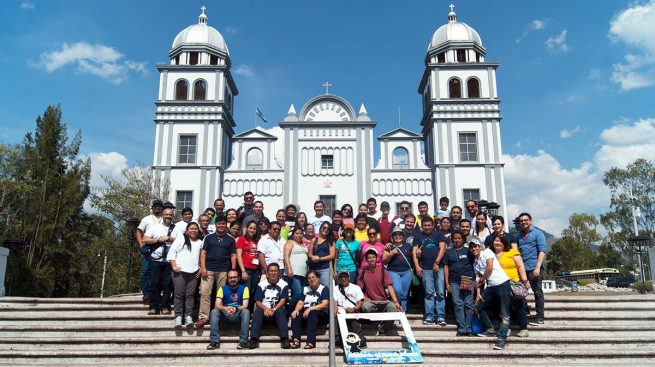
328, 147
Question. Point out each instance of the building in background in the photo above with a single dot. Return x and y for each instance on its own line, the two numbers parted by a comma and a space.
328, 147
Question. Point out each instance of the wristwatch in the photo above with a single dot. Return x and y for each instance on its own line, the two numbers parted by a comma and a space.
274, 309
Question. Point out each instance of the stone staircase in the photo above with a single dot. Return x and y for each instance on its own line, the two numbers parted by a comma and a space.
580, 330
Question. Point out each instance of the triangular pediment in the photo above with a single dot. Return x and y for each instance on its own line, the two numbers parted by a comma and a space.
400, 134
255, 134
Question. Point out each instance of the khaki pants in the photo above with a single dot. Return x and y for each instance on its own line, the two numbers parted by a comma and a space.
206, 286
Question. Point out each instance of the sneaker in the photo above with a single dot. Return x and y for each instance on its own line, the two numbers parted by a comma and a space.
428, 321
490, 333
213, 346
523, 334
242, 345
188, 321
166, 311
285, 344
177, 322
500, 345
152, 311
441, 322
252, 344
537, 322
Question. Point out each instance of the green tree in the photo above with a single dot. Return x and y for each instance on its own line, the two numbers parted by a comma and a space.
582, 229
573, 251
633, 185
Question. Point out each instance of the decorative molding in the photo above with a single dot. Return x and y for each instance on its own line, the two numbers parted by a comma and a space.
402, 187
260, 187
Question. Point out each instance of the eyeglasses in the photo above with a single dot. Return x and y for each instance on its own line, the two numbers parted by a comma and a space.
398, 235
276, 229
232, 277
524, 220
346, 210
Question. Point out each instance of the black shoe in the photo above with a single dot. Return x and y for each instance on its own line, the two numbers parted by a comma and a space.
252, 344
213, 346
242, 345
461, 334
285, 343
362, 344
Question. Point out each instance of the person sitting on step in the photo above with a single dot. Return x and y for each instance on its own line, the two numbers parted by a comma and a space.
375, 283
231, 308
312, 310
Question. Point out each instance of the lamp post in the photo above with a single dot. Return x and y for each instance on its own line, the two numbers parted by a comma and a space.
104, 270
13, 244
482, 206
638, 242
517, 224
492, 209
132, 224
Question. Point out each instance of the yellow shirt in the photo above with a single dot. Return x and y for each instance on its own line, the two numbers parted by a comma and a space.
419, 221
363, 235
507, 262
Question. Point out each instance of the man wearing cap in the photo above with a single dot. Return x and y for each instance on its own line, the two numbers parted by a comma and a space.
375, 283
385, 222
146, 223
348, 298
429, 249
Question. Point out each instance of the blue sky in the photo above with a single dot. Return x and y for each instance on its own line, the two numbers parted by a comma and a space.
576, 79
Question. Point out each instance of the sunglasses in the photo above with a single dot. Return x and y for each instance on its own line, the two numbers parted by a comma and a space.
372, 234
404, 208
326, 228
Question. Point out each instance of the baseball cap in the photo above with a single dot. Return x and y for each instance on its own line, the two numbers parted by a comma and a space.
343, 271
348, 223
385, 204
474, 240
372, 250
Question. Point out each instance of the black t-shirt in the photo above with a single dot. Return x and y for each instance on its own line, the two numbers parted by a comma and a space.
219, 250
490, 239
429, 247
398, 263
459, 263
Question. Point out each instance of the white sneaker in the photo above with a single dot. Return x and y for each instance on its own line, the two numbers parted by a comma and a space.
188, 321
177, 322
523, 334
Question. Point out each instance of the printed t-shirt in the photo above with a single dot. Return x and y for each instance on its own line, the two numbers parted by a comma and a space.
398, 263
430, 247
233, 297
270, 294
315, 297
249, 252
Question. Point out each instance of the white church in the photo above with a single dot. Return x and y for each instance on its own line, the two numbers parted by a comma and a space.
328, 146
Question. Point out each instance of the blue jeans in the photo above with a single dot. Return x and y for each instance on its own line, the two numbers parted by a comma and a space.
295, 285
279, 319
401, 281
353, 277
324, 276
239, 318
501, 293
463, 301
145, 276
435, 301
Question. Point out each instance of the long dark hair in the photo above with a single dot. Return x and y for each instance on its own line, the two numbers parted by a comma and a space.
258, 233
330, 236
187, 239
504, 241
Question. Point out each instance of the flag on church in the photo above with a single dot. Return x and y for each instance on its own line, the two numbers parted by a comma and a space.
260, 114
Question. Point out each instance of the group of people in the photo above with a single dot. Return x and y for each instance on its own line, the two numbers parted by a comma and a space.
271, 270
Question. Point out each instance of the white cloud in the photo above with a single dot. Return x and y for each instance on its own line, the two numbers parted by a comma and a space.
571, 98
244, 70
557, 43
232, 30
541, 186
564, 134
535, 25
103, 61
594, 74
103, 164
26, 5
635, 27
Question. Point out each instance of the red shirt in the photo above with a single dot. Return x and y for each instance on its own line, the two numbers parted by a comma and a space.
373, 285
249, 248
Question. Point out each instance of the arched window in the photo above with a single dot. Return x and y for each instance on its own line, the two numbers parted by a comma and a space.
254, 159
454, 88
400, 158
200, 91
473, 87
181, 90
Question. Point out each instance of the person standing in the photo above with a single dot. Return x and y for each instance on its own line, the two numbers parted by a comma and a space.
459, 275
429, 249
218, 255
247, 257
349, 251
455, 217
322, 251
319, 215
147, 222
371, 206
231, 308
247, 208
385, 222
396, 258
271, 249
295, 262
184, 257
532, 245
159, 238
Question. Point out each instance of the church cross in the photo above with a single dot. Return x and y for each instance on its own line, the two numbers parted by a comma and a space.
203, 9
327, 86
452, 7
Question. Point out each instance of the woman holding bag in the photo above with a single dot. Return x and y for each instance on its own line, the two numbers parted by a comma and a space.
349, 252
458, 272
396, 258
511, 261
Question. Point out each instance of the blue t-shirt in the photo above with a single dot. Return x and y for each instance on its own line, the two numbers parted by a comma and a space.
429, 247
233, 297
219, 251
270, 294
398, 263
314, 297
459, 263
490, 239
344, 260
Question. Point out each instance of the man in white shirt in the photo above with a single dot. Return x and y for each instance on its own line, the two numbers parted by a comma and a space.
180, 227
348, 298
159, 238
271, 248
319, 216
147, 222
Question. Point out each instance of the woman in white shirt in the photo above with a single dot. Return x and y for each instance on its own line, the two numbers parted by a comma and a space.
184, 256
489, 270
